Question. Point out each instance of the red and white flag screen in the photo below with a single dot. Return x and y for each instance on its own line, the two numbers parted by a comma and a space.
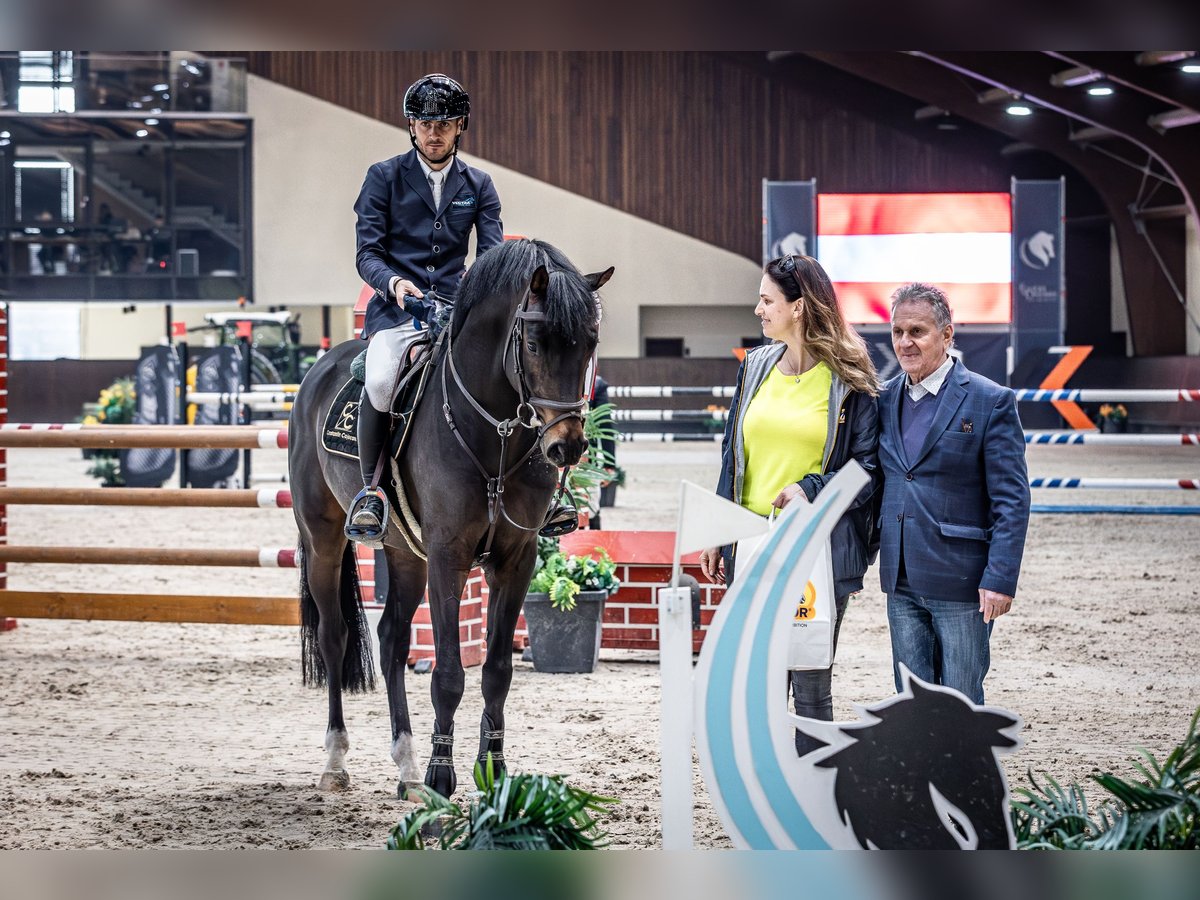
870, 244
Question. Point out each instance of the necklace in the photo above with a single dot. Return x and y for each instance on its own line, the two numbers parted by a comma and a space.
796, 376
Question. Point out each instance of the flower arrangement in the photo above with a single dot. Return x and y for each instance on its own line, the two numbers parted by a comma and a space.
1113, 413
115, 406
562, 576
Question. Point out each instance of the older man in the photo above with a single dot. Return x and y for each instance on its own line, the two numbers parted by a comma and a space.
955, 500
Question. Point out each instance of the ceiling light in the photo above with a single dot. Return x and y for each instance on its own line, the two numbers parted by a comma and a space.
41, 164
1191, 68
996, 95
1159, 57
1175, 118
152, 121
5, 134
160, 87
1075, 77
1018, 109
141, 132
929, 112
946, 126
1100, 90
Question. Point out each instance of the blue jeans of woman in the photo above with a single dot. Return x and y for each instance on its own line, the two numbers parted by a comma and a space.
812, 690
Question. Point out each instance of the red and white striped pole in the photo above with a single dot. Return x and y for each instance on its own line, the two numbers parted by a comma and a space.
6, 623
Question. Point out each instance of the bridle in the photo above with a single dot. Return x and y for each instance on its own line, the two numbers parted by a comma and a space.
525, 417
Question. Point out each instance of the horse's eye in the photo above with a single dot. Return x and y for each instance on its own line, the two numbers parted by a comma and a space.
532, 347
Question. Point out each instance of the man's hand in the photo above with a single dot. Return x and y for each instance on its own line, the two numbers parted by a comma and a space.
993, 605
787, 495
710, 564
400, 288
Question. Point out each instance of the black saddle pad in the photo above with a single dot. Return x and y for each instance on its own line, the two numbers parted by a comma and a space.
340, 434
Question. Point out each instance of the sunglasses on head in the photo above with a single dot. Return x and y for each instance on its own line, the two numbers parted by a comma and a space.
788, 265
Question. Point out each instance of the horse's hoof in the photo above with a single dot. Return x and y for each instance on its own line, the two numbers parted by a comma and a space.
334, 781
410, 791
441, 779
432, 830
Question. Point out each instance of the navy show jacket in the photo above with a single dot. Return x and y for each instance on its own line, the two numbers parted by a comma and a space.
400, 232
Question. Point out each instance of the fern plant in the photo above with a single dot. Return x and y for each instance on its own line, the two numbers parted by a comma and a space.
1161, 811
597, 466
507, 812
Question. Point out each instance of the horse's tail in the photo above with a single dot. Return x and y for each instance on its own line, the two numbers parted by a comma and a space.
358, 666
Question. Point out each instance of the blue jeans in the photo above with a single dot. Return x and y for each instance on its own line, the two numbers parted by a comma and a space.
812, 689
940, 641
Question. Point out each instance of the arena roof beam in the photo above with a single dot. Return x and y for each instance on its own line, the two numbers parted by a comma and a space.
1156, 321
1028, 73
1165, 83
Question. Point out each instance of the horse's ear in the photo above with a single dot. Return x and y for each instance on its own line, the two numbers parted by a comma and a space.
597, 280
539, 282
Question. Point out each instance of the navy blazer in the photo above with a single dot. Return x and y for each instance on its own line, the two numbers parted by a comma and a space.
400, 232
960, 510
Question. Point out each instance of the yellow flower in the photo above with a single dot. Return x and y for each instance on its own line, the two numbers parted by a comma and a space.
90, 420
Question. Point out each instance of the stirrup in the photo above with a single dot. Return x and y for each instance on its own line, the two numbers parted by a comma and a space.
366, 535
561, 520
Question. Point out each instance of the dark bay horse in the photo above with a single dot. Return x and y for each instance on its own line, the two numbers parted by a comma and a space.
502, 413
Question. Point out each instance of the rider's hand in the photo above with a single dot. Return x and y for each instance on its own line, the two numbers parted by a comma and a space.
401, 287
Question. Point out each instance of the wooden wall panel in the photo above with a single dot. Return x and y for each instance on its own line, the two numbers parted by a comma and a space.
682, 139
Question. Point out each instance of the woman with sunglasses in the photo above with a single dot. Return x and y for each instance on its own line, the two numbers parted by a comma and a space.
803, 407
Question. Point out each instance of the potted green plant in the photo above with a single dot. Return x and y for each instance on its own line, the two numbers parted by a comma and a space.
507, 811
597, 467
564, 609
115, 406
1113, 419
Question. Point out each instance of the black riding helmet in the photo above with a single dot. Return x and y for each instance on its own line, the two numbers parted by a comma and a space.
437, 98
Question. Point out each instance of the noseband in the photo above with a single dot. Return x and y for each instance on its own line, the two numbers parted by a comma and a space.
516, 377
525, 417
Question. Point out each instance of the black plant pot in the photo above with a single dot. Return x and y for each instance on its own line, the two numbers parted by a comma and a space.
608, 495
565, 641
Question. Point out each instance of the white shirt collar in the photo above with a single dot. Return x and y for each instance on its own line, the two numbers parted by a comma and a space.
445, 170
931, 383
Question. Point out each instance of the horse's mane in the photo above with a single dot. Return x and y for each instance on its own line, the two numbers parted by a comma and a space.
506, 269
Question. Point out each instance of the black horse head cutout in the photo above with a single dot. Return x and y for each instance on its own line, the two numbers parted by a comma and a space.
924, 773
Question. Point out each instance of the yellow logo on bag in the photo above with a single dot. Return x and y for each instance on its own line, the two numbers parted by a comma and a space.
806, 608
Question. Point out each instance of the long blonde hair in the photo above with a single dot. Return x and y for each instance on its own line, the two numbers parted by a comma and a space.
826, 334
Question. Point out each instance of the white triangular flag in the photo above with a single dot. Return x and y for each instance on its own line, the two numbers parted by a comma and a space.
706, 520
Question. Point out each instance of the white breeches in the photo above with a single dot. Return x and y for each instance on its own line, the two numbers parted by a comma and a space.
385, 353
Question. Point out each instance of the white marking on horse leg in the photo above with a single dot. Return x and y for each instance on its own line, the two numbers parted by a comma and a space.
335, 777
406, 759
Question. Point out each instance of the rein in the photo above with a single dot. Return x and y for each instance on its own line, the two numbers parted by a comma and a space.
526, 417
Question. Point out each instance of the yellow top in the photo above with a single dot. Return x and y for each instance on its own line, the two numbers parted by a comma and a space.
784, 433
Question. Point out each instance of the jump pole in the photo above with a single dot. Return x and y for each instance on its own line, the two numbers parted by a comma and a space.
264, 558
6, 623
191, 497
151, 607
171, 437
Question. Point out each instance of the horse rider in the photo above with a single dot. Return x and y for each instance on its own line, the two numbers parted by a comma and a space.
415, 215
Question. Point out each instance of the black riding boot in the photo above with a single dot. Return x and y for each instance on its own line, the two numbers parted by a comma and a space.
367, 520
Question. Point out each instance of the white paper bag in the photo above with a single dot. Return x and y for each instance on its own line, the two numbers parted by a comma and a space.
811, 644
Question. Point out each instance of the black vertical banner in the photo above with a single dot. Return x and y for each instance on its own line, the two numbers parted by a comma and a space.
1039, 296
789, 218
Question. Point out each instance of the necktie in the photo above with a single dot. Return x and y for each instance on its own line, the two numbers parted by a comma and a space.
435, 185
